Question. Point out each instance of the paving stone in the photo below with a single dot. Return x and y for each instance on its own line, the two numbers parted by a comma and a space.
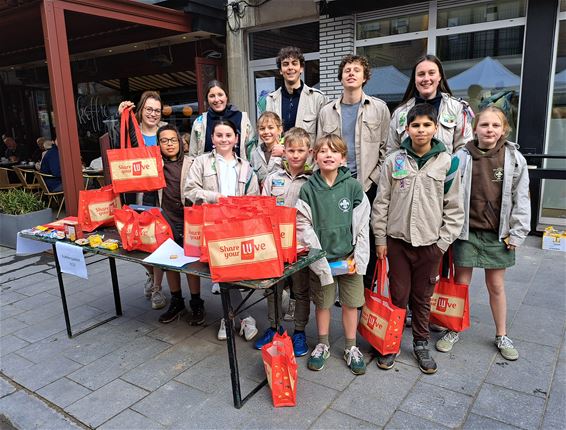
403, 420
37, 301
34, 284
115, 364
170, 363
12, 364
27, 412
42, 350
207, 415
361, 396
42, 374
331, 419
11, 325
8, 310
48, 310
10, 343
541, 296
63, 392
171, 402
508, 406
475, 422
531, 373
129, 419
174, 332
531, 321
6, 388
335, 374
103, 404
21, 273
437, 404
555, 414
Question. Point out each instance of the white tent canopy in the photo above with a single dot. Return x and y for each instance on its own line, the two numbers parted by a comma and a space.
488, 73
387, 83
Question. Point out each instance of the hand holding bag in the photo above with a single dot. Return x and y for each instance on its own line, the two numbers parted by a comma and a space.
134, 169
281, 369
96, 207
381, 322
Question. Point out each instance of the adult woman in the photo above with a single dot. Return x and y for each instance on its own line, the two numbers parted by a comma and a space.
219, 108
428, 84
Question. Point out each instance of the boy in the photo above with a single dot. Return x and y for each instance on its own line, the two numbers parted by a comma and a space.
333, 215
363, 123
285, 184
416, 215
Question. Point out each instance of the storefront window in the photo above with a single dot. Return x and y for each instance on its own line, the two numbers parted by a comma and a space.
391, 26
267, 43
481, 12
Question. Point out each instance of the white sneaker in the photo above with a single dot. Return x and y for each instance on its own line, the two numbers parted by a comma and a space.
158, 299
215, 288
222, 330
148, 286
248, 328
290, 314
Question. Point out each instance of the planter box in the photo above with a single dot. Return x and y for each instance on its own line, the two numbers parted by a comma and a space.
10, 225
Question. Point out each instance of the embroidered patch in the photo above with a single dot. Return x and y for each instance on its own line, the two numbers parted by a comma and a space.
497, 175
448, 118
402, 119
344, 204
280, 201
399, 170
277, 182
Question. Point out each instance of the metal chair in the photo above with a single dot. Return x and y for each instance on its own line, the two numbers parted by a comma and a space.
57, 196
5, 179
32, 185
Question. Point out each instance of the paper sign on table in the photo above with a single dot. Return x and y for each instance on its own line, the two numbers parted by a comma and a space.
71, 259
28, 246
170, 254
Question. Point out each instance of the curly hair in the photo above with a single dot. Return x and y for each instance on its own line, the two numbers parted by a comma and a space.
348, 59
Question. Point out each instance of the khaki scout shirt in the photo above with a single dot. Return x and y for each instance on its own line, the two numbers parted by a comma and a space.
284, 187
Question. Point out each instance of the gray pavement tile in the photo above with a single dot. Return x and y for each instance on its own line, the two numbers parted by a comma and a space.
37, 301
129, 419
214, 413
158, 370
531, 373
555, 414
27, 412
12, 364
48, 310
6, 388
174, 332
543, 297
63, 392
437, 404
11, 325
22, 273
531, 321
103, 404
335, 374
35, 284
362, 396
170, 403
115, 364
7, 311
477, 422
42, 374
42, 350
511, 407
403, 420
331, 419
11, 343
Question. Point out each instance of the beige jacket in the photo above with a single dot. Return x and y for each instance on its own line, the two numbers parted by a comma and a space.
261, 167
284, 187
198, 135
310, 103
371, 135
202, 185
413, 206
454, 124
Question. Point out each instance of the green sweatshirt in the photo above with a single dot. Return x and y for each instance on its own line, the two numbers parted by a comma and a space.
331, 209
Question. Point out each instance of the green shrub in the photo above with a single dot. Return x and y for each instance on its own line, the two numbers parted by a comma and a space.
19, 202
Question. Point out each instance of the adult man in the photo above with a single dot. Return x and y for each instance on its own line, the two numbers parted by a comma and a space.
363, 122
297, 104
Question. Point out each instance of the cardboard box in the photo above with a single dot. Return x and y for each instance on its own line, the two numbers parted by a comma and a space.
554, 240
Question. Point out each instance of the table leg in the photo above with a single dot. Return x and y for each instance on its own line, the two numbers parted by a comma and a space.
115, 286
231, 341
62, 290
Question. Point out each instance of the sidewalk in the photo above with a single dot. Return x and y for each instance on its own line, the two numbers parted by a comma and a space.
134, 373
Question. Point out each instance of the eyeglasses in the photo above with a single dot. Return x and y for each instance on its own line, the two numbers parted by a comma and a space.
165, 141
150, 111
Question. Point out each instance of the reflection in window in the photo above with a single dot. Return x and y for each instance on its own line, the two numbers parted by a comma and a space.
481, 12
267, 43
391, 26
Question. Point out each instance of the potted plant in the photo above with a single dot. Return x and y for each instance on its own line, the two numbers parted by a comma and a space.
20, 210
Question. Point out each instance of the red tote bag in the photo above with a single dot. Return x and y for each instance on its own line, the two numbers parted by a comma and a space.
281, 369
381, 322
287, 220
192, 237
450, 302
134, 169
96, 207
144, 231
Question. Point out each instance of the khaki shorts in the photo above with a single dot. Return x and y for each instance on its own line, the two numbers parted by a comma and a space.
350, 291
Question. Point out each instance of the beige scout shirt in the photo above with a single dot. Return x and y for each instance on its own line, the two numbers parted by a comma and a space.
284, 187
310, 103
454, 124
412, 206
202, 184
371, 135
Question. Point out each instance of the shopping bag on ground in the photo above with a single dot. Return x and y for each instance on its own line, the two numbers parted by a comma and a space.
192, 237
381, 322
450, 302
281, 370
144, 231
96, 207
134, 169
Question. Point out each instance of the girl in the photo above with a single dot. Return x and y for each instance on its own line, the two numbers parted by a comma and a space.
265, 156
216, 174
171, 200
219, 108
497, 217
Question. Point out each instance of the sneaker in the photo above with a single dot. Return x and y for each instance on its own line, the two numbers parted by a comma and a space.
248, 328
176, 310
197, 315
158, 300
266, 338
424, 359
408, 318
290, 314
506, 348
215, 288
300, 346
355, 360
318, 357
148, 286
447, 341
387, 361
222, 330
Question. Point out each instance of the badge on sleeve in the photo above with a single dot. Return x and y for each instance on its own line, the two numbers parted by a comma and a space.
277, 182
399, 170
402, 119
448, 118
280, 201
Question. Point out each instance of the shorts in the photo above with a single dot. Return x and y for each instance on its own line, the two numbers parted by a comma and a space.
483, 250
350, 291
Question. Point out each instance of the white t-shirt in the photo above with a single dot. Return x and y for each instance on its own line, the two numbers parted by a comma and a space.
227, 176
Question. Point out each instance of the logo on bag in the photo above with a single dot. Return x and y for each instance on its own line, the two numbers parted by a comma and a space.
442, 304
247, 248
136, 168
229, 252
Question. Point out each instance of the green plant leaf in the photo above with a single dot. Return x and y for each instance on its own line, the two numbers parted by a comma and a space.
19, 202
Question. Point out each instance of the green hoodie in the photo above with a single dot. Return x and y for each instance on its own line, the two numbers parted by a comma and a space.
332, 209
436, 148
